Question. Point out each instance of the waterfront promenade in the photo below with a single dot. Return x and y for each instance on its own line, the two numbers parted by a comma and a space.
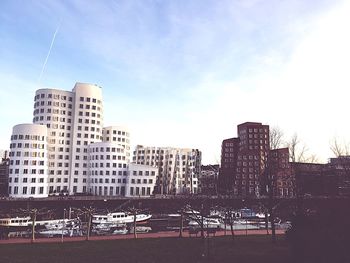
131, 236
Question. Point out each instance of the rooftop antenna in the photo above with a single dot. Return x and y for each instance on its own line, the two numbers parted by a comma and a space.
49, 52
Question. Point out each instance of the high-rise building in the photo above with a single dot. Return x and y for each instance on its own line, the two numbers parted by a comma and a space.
246, 162
66, 149
178, 168
74, 120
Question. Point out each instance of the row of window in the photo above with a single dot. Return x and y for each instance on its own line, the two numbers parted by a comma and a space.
88, 99
125, 173
87, 114
52, 95
65, 180
27, 137
144, 181
106, 181
108, 165
27, 162
52, 103
108, 157
27, 145
89, 107
106, 149
25, 180
33, 190
27, 171
118, 132
53, 119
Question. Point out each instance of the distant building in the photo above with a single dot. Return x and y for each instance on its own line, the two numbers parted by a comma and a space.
227, 174
4, 173
329, 179
340, 169
178, 168
314, 179
208, 179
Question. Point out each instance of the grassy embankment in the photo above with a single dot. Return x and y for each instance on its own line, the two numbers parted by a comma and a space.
244, 249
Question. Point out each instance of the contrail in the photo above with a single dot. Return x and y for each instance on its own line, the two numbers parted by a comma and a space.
48, 53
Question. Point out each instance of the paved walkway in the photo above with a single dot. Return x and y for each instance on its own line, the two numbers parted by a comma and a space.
130, 236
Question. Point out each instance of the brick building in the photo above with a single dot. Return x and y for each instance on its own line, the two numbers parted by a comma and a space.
244, 160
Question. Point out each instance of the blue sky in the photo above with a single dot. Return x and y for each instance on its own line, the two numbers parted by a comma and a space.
185, 73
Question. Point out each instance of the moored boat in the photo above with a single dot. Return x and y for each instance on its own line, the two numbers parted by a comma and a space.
121, 218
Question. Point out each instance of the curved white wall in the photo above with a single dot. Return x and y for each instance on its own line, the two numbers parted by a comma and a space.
108, 169
119, 135
55, 109
28, 161
87, 129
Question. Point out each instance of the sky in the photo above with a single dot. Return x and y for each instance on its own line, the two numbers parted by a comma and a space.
185, 73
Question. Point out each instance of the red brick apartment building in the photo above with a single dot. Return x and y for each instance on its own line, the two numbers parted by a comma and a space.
243, 162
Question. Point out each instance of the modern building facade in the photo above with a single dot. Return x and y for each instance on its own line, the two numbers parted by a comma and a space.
74, 120
66, 149
28, 168
178, 168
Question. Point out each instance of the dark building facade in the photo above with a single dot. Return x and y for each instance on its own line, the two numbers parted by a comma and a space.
339, 171
247, 163
208, 180
229, 151
4, 174
330, 179
314, 179
281, 173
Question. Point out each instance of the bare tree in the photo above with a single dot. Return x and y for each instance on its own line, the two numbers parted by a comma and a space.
87, 212
297, 150
33, 213
338, 148
276, 138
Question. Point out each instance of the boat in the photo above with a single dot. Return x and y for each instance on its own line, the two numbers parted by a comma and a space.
208, 223
109, 228
121, 218
140, 229
15, 223
54, 232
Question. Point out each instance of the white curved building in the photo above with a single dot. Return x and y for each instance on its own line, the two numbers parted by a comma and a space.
68, 150
28, 171
74, 120
119, 135
108, 169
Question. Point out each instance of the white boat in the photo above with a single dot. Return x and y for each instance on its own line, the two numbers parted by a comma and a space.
140, 229
208, 223
120, 218
54, 232
16, 222
109, 228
